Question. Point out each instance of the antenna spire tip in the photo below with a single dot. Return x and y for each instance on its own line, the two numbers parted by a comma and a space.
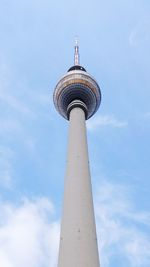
76, 41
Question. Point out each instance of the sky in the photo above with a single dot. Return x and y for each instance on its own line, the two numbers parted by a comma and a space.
36, 49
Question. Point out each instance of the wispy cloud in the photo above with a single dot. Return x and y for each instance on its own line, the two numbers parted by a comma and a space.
18, 98
6, 172
10, 88
140, 34
105, 120
15, 104
20, 105
121, 227
147, 115
9, 125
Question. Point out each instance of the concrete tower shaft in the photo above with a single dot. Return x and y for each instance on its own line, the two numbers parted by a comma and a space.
78, 242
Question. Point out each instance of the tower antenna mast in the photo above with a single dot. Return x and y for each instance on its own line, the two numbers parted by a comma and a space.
76, 53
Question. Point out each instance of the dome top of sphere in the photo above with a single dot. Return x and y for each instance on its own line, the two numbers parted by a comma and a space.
76, 67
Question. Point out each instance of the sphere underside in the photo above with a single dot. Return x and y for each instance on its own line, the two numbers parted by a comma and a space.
77, 86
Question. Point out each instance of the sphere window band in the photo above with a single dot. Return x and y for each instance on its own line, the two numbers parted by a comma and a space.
70, 78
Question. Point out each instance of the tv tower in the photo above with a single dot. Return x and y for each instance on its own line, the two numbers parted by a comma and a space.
77, 97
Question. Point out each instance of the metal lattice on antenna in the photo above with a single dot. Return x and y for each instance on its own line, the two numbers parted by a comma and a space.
76, 54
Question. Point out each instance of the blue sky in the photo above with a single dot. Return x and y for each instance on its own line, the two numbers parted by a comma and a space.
36, 49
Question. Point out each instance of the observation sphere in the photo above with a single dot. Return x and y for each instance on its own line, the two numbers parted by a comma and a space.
77, 84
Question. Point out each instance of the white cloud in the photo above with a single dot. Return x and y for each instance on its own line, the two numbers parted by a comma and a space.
28, 235
120, 228
106, 120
